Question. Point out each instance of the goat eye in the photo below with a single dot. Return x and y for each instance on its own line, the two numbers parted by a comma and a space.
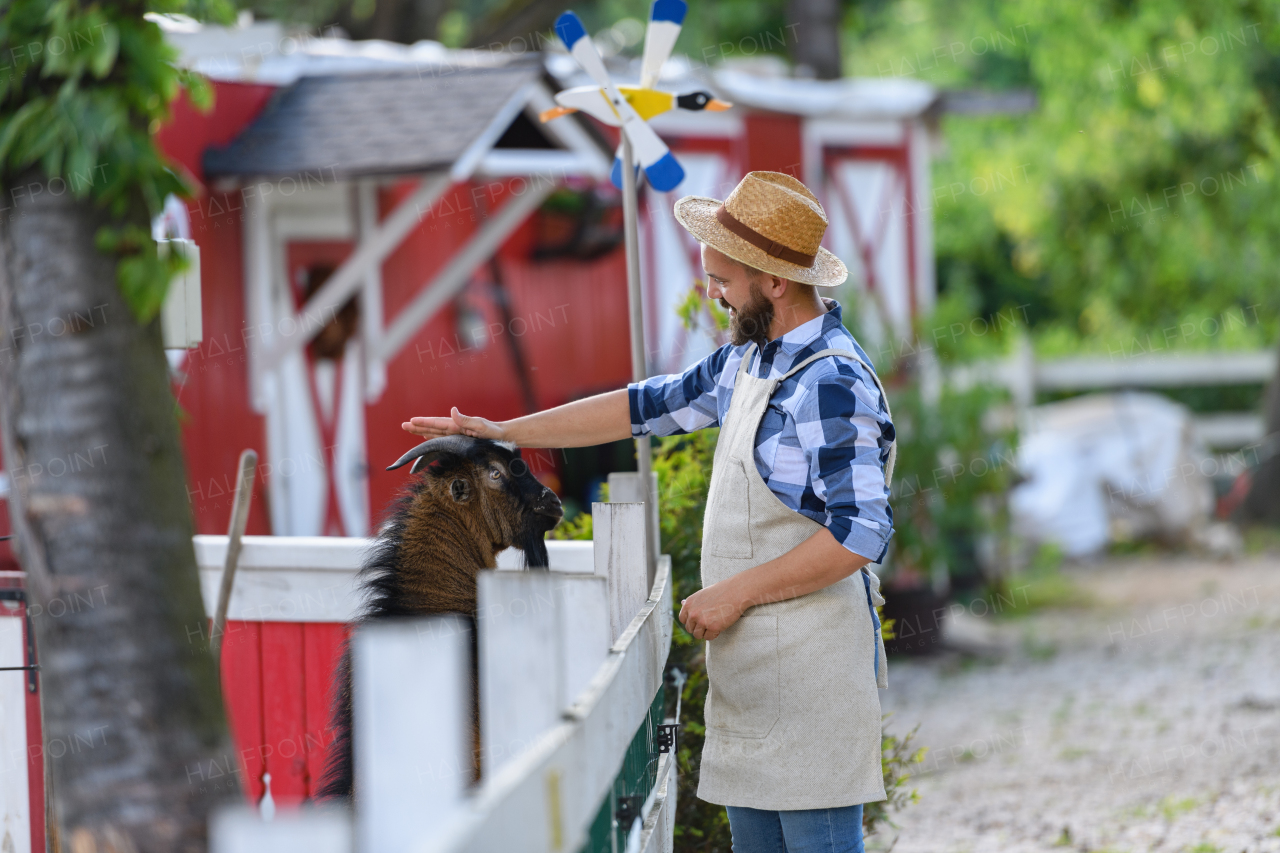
495, 474
518, 468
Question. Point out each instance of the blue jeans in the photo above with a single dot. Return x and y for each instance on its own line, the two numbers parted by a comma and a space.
803, 831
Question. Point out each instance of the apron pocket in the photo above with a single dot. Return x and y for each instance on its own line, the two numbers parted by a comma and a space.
743, 670
729, 523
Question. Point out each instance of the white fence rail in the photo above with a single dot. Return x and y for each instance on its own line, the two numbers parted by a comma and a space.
1024, 376
569, 662
313, 578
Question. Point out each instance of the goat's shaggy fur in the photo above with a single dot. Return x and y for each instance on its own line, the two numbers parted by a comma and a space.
473, 499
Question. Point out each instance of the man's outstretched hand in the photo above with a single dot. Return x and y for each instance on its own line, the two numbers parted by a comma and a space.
456, 424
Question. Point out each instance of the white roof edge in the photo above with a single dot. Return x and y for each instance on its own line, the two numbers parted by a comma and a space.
853, 97
765, 87
266, 52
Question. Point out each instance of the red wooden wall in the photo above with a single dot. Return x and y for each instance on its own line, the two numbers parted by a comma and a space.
190, 131
773, 143
213, 391
277, 680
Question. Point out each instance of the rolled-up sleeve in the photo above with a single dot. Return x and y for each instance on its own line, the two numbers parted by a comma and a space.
846, 435
679, 403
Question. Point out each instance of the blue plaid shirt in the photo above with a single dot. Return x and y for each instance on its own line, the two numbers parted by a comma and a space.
822, 443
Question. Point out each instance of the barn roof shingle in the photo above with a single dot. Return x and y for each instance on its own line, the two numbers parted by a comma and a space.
381, 123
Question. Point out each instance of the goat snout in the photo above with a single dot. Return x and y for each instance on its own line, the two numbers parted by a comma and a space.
548, 504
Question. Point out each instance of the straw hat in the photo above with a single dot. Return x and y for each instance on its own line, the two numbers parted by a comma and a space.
770, 222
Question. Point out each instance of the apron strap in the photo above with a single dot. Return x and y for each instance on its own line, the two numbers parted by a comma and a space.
746, 360
893, 447
875, 599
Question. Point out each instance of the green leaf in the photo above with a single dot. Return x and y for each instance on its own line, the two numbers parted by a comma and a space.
11, 130
106, 46
198, 90
80, 170
143, 284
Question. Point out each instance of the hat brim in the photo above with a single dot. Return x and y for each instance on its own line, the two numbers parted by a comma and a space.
698, 216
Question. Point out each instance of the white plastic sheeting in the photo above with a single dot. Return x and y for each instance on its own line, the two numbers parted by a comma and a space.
1109, 466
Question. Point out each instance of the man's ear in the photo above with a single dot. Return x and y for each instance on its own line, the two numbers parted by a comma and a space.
775, 286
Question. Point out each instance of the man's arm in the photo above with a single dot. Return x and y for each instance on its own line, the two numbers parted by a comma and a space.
814, 564
593, 420
661, 405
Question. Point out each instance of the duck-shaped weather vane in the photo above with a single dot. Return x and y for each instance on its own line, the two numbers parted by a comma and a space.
630, 107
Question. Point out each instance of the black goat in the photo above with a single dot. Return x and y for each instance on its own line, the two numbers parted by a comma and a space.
474, 498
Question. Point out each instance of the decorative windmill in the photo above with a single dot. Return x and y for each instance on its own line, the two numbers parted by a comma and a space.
630, 107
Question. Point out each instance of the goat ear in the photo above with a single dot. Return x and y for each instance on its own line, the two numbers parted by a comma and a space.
460, 489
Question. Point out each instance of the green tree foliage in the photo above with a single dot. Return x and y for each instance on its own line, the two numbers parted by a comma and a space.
713, 31
86, 87
1132, 209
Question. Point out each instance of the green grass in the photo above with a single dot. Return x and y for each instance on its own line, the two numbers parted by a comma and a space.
1172, 807
1261, 539
1041, 586
1038, 649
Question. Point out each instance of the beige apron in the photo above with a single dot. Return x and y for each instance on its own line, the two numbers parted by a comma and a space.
792, 713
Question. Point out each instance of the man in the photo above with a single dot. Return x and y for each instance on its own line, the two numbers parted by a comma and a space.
798, 505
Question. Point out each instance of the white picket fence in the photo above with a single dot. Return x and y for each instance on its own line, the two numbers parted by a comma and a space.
1024, 376
570, 661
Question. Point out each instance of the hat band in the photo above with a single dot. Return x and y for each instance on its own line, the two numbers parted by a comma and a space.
770, 247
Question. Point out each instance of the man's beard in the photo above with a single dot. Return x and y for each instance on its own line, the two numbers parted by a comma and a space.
752, 321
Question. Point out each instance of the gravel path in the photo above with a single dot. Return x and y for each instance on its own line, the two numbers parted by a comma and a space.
1150, 721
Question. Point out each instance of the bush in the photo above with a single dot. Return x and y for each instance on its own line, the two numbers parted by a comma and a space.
954, 468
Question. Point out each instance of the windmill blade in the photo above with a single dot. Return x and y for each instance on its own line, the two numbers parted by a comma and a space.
660, 167
665, 20
570, 30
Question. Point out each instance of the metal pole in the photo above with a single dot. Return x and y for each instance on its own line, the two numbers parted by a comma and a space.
639, 370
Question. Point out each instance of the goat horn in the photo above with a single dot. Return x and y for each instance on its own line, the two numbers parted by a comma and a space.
428, 451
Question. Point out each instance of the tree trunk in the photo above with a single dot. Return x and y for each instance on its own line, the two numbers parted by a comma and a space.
1263, 501
136, 745
815, 27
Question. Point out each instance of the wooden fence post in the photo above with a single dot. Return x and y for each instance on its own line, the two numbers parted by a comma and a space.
412, 694
521, 676
622, 557
583, 621
624, 487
